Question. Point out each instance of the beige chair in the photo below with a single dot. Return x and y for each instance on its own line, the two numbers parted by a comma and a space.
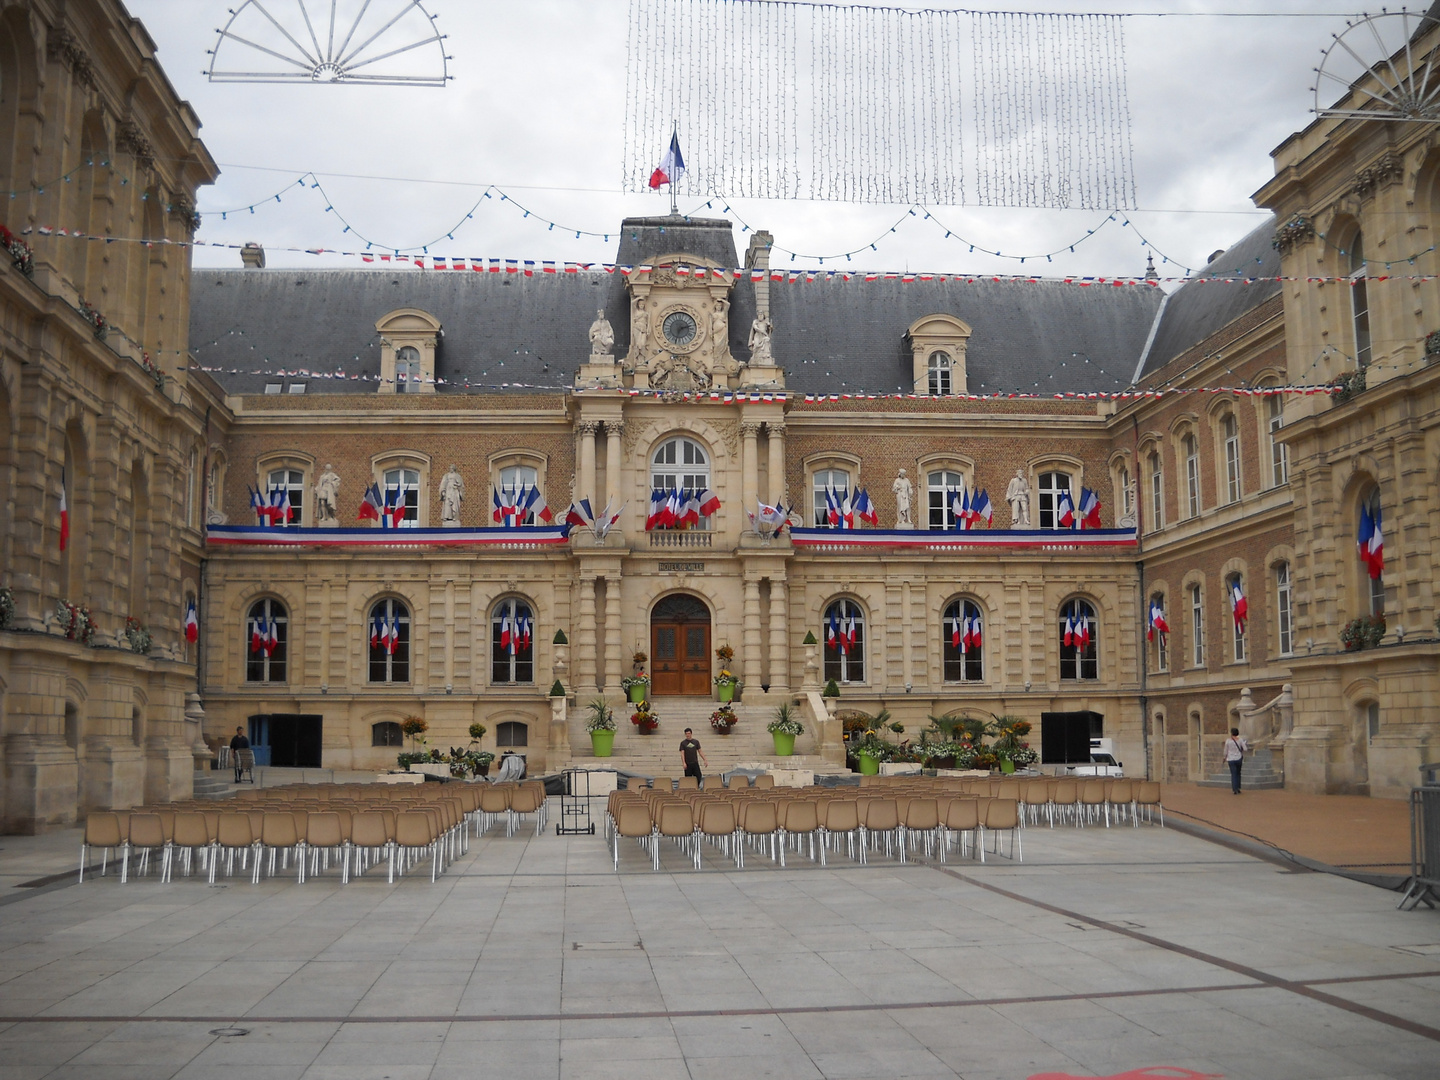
842, 816
798, 818
1120, 796
1147, 794
688, 783
1003, 815
922, 816
632, 822
717, 823
525, 800
882, 818
494, 801
234, 834
369, 834
102, 830
663, 783
676, 822
279, 834
1092, 805
322, 836
147, 835
764, 780
961, 816
416, 835
1064, 799
191, 834
758, 822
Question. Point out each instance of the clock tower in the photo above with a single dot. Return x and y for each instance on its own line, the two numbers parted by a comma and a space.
680, 325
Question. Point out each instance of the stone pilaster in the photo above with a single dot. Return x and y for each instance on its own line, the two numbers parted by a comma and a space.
585, 643
750, 638
587, 429
750, 465
779, 636
777, 463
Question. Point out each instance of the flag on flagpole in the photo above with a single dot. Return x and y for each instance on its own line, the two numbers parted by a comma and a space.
1370, 543
64, 515
1157, 621
507, 632
1089, 509
272, 636
1065, 511
980, 508
956, 637
833, 637
1069, 638
709, 502
1238, 604
671, 166
192, 624
580, 514
1082, 633
370, 506
975, 632
258, 635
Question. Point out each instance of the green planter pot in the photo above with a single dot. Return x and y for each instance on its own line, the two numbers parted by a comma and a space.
637, 693
1006, 765
869, 766
727, 692
602, 743
784, 744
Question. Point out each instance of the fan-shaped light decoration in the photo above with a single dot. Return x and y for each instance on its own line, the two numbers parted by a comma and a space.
1377, 57
386, 42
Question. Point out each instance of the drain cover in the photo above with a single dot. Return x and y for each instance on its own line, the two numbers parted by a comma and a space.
232, 1032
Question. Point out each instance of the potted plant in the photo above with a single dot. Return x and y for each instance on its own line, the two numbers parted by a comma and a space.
601, 726
477, 731
557, 689
7, 606
783, 729
723, 720
413, 728
1362, 633
832, 689
75, 621
645, 718
869, 750
1009, 735
636, 687
727, 682
137, 635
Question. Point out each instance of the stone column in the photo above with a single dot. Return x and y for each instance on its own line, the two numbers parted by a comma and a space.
750, 465
586, 482
777, 464
585, 675
614, 429
750, 637
613, 640
779, 635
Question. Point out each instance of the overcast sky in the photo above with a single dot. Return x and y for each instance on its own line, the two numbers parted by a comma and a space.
536, 107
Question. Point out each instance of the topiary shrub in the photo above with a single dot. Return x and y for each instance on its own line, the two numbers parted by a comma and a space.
556, 690
832, 689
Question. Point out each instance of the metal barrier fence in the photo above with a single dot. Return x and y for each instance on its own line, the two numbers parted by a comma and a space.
1424, 886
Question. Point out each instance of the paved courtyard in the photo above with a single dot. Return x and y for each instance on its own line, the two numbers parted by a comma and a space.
1104, 952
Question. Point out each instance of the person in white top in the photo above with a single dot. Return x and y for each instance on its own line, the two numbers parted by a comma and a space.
1235, 751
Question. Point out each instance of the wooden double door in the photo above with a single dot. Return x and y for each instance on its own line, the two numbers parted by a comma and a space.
680, 648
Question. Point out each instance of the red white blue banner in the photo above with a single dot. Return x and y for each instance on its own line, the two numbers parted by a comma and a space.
849, 539
259, 536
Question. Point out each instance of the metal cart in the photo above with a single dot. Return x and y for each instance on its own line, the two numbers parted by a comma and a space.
575, 804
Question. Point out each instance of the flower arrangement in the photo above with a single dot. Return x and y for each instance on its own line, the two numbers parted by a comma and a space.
137, 635
1009, 734
152, 369
1362, 633
725, 654
727, 678
1348, 383
723, 719
638, 679
75, 621
872, 745
785, 722
414, 728
645, 718
7, 606
638, 658
961, 755
1023, 755
1432, 343
465, 762
97, 321
21, 254
602, 717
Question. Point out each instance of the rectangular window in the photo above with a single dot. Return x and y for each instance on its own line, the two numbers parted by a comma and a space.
292, 482
404, 484
515, 478
1360, 302
1157, 492
1192, 475
1232, 460
1052, 486
1284, 614
1279, 452
828, 484
1372, 718
941, 488
1197, 626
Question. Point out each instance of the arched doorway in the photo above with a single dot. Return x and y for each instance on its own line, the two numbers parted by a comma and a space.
680, 647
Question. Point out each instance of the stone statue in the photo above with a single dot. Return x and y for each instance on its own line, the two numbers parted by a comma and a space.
639, 328
602, 335
903, 490
452, 494
1018, 496
720, 323
760, 331
327, 494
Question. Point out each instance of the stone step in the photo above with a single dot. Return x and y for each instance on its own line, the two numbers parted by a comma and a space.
214, 785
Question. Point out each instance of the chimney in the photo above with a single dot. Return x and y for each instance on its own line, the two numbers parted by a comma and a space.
253, 256
757, 257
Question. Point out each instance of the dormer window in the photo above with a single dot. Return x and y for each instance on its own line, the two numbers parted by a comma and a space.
938, 344
407, 370
408, 339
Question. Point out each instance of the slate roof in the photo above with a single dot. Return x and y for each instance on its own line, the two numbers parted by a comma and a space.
1197, 309
511, 329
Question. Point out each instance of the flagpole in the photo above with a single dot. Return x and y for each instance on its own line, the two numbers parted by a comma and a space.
674, 200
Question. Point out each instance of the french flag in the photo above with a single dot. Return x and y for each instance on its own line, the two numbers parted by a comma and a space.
1089, 509
377, 631
1082, 632
580, 514
833, 637
257, 503
1065, 511
957, 637
980, 508
1157, 621
1370, 542
865, 508
372, 504
671, 167
674, 507
535, 504
1238, 604
974, 630
272, 637
507, 633
389, 635
657, 507
960, 508
522, 632
832, 505
709, 503
1069, 638
259, 635
192, 624
847, 513
850, 633
65, 515
689, 515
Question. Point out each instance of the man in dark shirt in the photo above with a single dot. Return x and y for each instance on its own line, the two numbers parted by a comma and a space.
238, 743
692, 756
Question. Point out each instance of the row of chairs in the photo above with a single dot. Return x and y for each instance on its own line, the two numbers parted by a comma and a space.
356, 826
778, 821
1078, 801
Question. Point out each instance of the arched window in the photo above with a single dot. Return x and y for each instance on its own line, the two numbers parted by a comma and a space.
1191, 448
940, 368
407, 370
1157, 491
941, 487
1197, 626
828, 484
292, 483
1374, 573
514, 479
1359, 302
402, 486
1230, 433
1279, 452
1052, 484
388, 628
681, 464
386, 733
1239, 610
844, 635
1079, 641
1160, 638
512, 733
267, 638
962, 642
512, 645
1284, 609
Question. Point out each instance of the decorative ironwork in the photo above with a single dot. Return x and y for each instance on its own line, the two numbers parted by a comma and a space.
1375, 57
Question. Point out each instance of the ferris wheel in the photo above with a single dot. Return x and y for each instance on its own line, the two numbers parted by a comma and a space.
1378, 57
385, 42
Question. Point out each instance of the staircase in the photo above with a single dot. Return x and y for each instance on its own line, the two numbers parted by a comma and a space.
1258, 774
214, 785
659, 754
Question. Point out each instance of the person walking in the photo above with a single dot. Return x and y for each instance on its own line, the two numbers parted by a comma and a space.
692, 756
238, 743
1235, 750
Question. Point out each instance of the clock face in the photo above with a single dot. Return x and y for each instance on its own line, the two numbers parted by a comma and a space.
679, 328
